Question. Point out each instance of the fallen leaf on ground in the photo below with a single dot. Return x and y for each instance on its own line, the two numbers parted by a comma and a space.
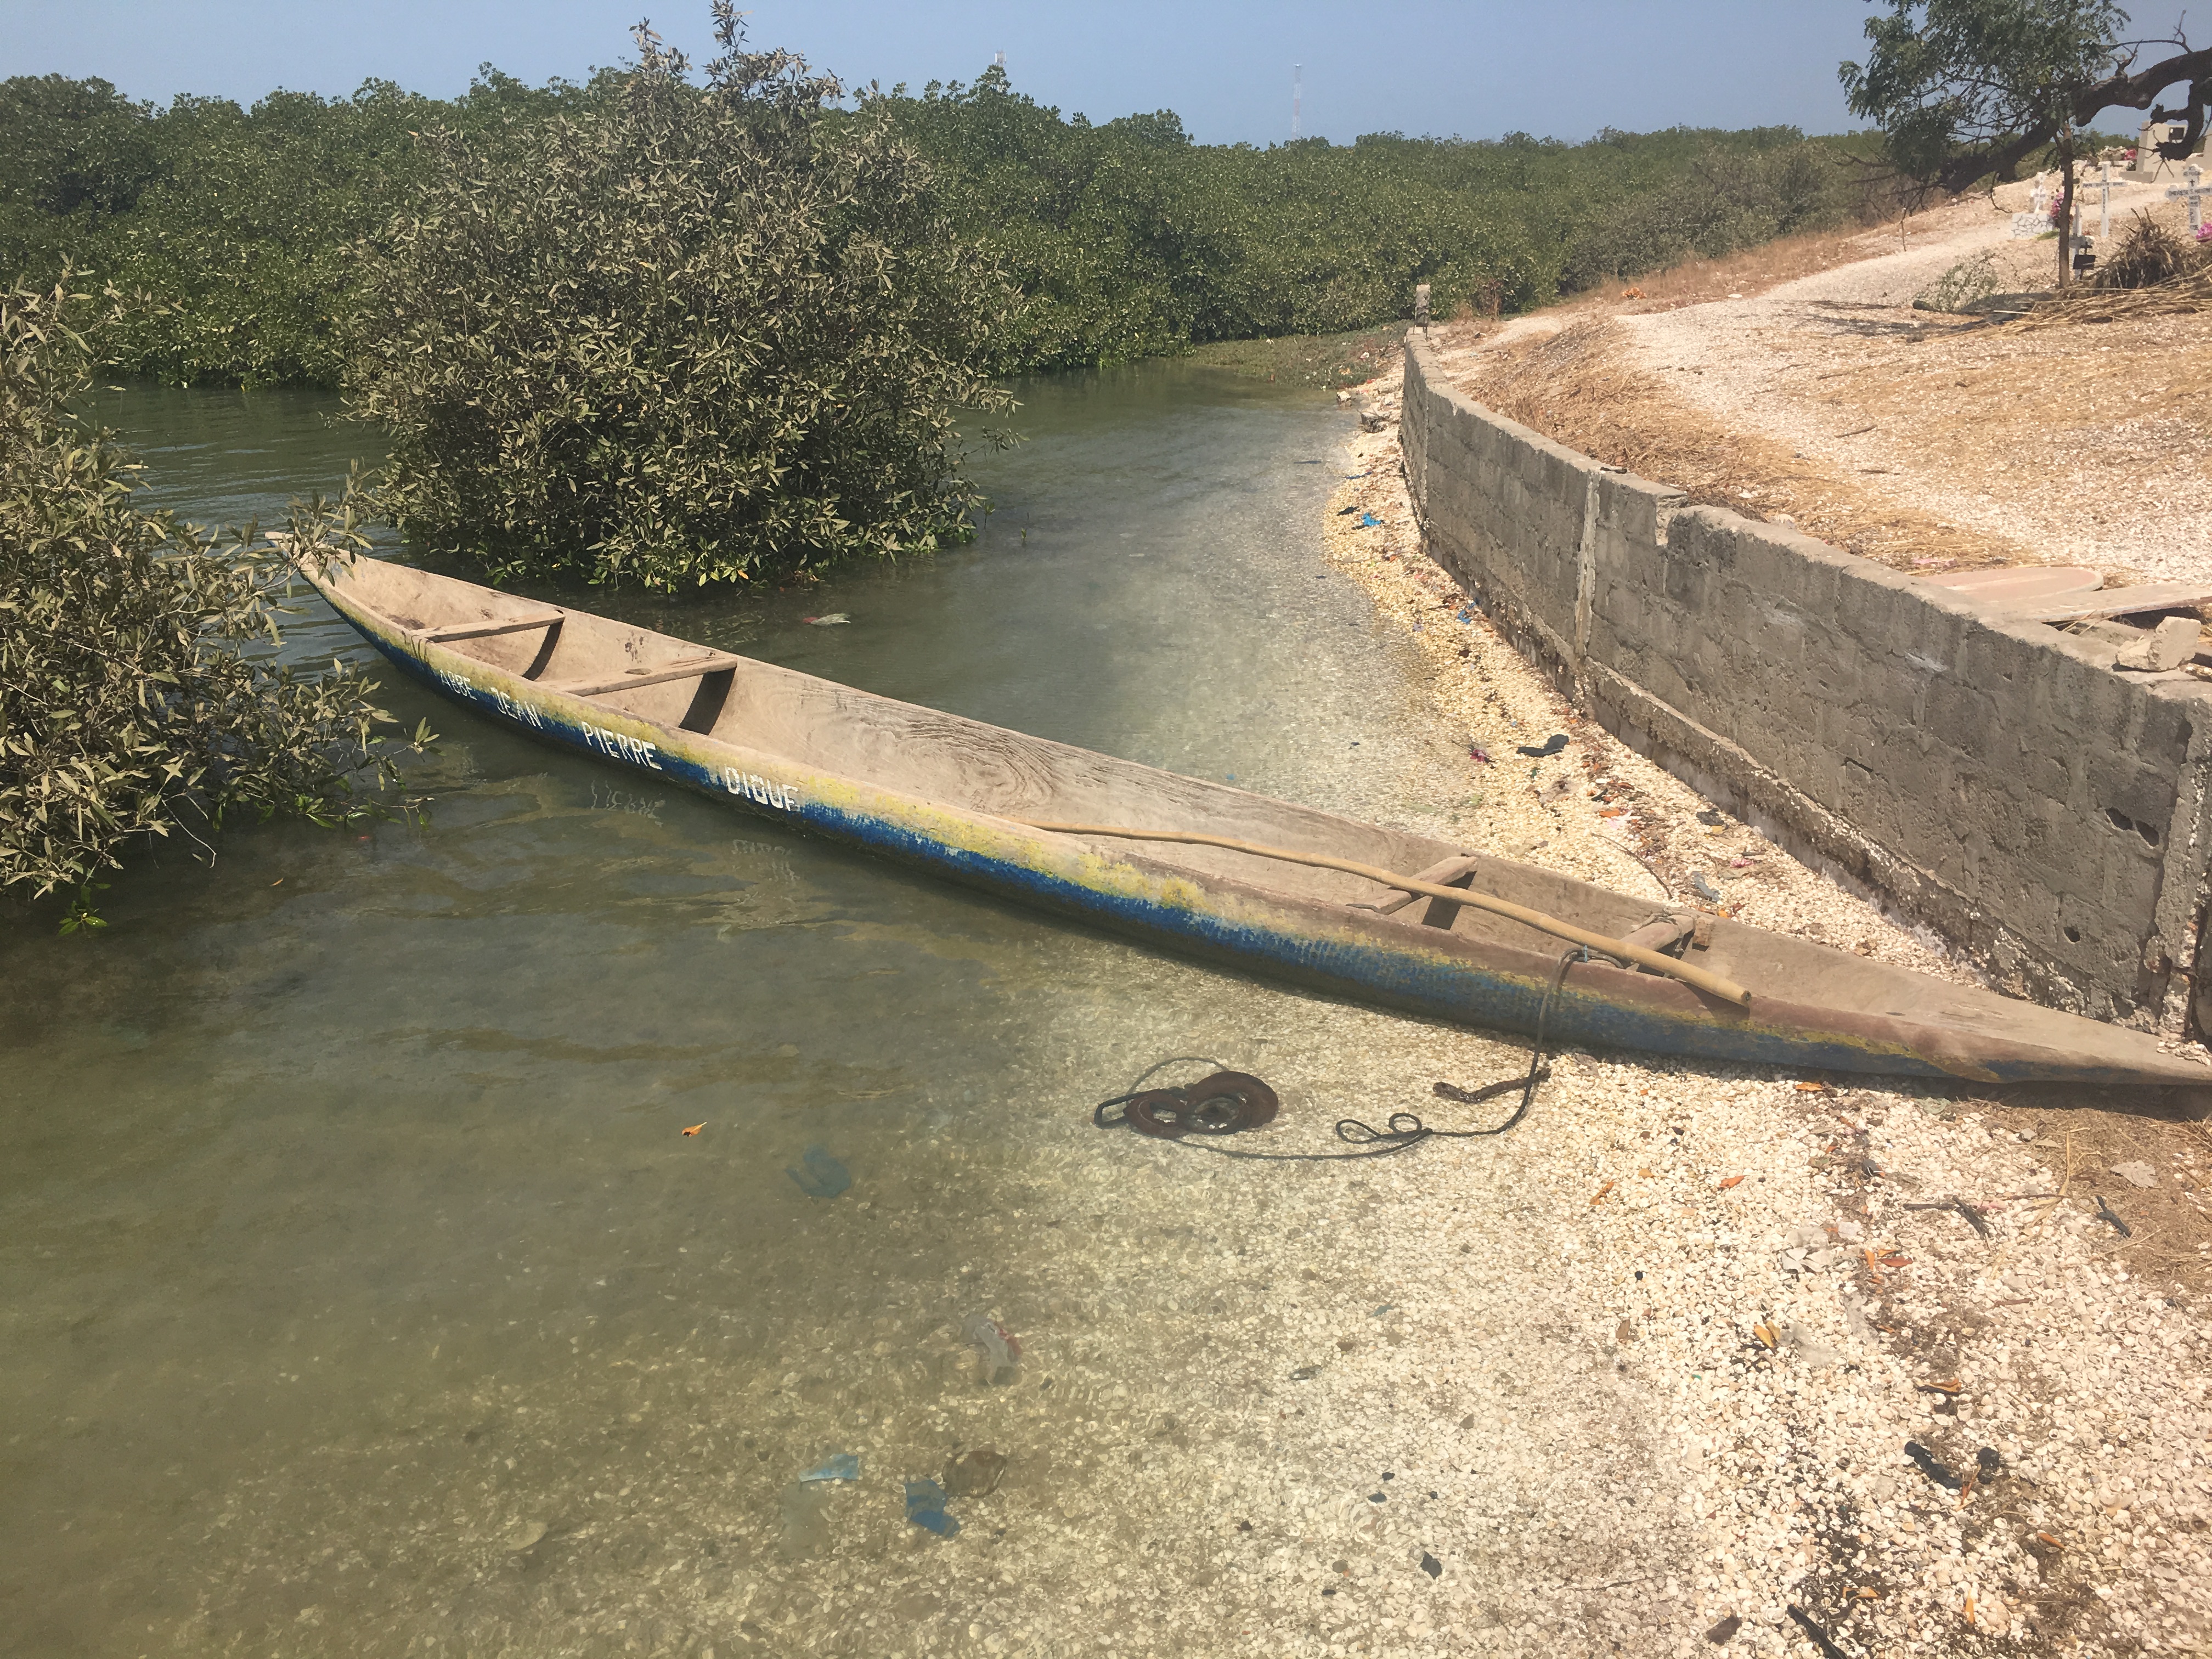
1602, 1192
1731, 1181
695, 1128
1816, 1088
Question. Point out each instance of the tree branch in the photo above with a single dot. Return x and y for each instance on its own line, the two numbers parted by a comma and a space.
2139, 90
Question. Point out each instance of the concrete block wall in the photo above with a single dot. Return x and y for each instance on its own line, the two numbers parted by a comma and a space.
1997, 781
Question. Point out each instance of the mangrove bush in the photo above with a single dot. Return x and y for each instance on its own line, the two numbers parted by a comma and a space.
141, 692
681, 335
238, 226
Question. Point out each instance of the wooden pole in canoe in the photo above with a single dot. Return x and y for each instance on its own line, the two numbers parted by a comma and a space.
1712, 984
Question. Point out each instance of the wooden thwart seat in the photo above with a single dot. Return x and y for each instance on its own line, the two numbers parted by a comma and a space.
1453, 871
690, 668
1664, 932
483, 630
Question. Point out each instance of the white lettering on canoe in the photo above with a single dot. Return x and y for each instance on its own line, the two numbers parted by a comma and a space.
754, 787
454, 684
522, 712
622, 747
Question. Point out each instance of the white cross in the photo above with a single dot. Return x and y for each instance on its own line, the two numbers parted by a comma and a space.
2105, 204
2193, 193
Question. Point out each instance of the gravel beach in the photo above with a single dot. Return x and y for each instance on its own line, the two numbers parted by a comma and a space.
1693, 1358
1696, 1358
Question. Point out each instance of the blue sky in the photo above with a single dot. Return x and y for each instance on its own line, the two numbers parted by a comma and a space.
1560, 69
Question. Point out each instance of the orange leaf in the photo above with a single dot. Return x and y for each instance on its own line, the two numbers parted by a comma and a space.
1602, 1192
1869, 1595
2049, 1539
1816, 1088
1733, 1180
1892, 1260
1646, 1174
695, 1128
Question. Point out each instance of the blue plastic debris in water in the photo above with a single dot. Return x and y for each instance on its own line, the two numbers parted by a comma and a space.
841, 1466
824, 1176
925, 1507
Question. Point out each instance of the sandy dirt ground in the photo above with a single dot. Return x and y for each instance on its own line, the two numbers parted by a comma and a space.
1927, 442
1893, 1377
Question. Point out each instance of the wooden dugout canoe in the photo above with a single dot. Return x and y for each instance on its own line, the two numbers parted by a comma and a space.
957, 797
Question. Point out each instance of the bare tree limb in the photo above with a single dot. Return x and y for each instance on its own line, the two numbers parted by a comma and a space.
2138, 90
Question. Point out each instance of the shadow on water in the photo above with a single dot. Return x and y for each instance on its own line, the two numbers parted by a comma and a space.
362, 1288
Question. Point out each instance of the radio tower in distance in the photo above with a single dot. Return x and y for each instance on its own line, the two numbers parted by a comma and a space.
1298, 97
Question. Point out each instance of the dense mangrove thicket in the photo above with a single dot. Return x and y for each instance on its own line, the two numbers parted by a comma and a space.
243, 229
140, 691
683, 336
1129, 239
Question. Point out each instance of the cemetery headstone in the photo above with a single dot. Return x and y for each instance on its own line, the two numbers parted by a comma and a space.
2193, 193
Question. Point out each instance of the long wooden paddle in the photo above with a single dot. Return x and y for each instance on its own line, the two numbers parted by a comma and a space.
1711, 984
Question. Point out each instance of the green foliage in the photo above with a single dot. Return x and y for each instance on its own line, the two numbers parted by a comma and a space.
679, 336
1964, 284
72, 146
1964, 87
232, 229
134, 698
1127, 240
240, 227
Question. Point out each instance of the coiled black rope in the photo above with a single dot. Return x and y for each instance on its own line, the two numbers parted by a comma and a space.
1406, 1129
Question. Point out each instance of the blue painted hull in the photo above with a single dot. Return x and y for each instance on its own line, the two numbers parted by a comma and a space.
1427, 971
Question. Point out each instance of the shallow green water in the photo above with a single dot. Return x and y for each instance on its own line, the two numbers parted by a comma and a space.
348, 1231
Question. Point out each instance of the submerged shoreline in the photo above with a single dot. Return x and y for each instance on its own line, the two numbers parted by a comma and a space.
424, 1327
1790, 1286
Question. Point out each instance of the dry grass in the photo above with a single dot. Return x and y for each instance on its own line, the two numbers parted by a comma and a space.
1694, 282
1753, 270
2078, 1136
2104, 423
1576, 387
2183, 295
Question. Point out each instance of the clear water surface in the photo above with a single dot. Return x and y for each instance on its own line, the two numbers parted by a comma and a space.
363, 1296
